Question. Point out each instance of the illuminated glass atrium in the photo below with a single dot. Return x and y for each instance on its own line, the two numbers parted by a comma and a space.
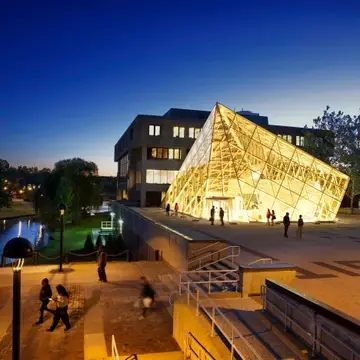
245, 169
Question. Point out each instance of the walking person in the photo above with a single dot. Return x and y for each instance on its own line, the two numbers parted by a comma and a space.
212, 215
176, 208
286, 222
221, 215
268, 216
61, 312
45, 295
167, 210
102, 263
300, 227
273, 218
147, 296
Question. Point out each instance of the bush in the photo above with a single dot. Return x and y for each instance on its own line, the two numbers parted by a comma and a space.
89, 246
98, 241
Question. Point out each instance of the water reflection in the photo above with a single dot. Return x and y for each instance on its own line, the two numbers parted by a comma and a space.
32, 230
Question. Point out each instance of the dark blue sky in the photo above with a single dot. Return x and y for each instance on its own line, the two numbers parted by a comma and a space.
74, 74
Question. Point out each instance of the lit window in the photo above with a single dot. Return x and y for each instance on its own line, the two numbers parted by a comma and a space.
300, 141
194, 132
160, 176
171, 153
178, 131
177, 154
287, 138
191, 133
163, 153
154, 130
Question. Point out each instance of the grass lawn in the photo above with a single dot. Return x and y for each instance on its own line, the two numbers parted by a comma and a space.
74, 235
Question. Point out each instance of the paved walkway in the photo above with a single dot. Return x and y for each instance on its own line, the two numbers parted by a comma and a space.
328, 256
97, 311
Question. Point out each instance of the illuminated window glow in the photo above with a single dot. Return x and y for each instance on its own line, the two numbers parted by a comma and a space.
160, 176
164, 153
245, 169
194, 132
154, 130
300, 141
178, 131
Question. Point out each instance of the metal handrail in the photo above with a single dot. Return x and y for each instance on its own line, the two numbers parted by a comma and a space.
114, 351
200, 259
201, 354
206, 247
211, 280
212, 315
262, 260
265, 289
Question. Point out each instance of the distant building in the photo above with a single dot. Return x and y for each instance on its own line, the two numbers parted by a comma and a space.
152, 149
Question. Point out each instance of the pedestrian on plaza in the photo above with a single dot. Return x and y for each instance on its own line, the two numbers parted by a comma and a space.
168, 210
268, 216
300, 227
273, 218
147, 297
176, 208
212, 215
286, 222
102, 263
61, 312
221, 215
45, 295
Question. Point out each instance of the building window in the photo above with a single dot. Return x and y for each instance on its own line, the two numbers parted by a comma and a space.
160, 176
164, 153
154, 130
194, 132
124, 166
178, 131
286, 137
300, 141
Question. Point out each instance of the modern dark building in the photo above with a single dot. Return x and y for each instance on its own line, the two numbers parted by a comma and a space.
152, 149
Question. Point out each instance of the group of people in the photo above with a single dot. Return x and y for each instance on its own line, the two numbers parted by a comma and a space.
61, 301
176, 209
270, 217
221, 216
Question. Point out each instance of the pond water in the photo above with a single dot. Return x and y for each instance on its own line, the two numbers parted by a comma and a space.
27, 228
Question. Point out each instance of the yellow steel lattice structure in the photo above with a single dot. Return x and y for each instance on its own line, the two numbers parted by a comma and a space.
245, 169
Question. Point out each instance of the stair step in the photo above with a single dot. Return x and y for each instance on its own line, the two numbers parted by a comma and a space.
171, 355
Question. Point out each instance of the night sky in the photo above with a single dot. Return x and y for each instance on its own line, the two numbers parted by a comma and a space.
74, 74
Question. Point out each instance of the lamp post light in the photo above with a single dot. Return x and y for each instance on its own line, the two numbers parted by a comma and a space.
62, 208
112, 214
17, 249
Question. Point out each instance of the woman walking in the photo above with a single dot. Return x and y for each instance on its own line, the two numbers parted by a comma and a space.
45, 295
61, 312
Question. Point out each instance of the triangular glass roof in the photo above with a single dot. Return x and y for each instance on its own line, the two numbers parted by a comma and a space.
246, 169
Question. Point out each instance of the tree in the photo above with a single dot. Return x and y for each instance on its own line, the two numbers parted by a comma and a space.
65, 195
346, 152
5, 198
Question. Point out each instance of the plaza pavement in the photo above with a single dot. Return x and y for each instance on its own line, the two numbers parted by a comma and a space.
328, 256
97, 311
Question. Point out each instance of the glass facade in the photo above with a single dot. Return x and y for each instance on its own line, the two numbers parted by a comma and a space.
245, 169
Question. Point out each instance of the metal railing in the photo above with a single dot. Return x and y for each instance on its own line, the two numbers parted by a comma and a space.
114, 351
316, 343
262, 261
209, 278
193, 349
216, 256
194, 252
224, 326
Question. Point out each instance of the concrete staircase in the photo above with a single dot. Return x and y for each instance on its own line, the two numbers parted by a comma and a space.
268, 341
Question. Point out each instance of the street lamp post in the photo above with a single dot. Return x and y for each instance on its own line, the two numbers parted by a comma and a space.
62, 208
112, 214
17, 249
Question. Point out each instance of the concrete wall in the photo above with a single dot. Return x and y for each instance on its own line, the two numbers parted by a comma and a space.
317, 321
197, 246
185, 319
252, 277
144, 237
